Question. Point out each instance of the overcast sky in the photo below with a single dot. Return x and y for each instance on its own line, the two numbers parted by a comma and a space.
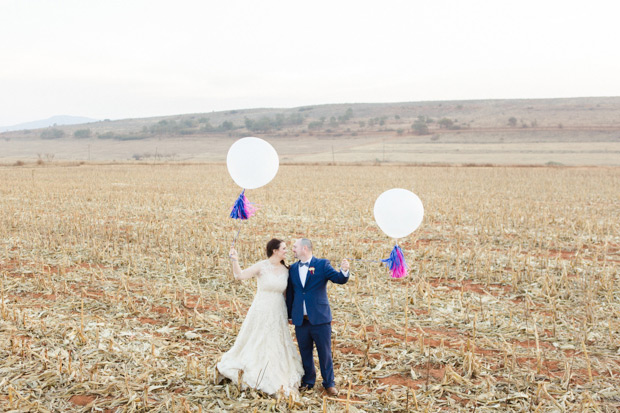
120, 59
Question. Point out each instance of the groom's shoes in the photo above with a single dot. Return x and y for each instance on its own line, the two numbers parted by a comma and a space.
332, 391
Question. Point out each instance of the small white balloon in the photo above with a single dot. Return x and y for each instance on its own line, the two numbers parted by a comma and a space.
252, 162
398, 212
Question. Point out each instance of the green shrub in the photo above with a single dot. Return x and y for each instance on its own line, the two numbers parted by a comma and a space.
52, 133
82, 133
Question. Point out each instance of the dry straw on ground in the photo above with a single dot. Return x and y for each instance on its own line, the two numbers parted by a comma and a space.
116, 293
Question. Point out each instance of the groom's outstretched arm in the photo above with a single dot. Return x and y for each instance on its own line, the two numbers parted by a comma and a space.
338, 277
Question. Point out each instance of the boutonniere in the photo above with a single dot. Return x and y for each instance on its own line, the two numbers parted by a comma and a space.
311, 269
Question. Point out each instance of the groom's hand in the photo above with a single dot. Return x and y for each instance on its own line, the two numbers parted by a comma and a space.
345, 265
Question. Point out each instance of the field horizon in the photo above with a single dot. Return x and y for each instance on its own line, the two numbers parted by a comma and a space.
571, 131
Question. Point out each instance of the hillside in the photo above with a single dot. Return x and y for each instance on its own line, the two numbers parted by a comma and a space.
577, 131
44, 123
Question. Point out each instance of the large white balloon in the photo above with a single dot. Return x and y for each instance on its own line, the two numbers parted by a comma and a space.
252, 162
398, 212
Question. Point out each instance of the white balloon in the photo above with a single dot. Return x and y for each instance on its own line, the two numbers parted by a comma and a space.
398, 212
252, 162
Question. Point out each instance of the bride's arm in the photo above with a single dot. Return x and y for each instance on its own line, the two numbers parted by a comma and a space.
238, 273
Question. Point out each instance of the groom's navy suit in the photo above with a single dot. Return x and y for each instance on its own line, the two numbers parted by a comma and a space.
315, 328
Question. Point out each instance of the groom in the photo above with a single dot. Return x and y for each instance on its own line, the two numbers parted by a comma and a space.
308, 308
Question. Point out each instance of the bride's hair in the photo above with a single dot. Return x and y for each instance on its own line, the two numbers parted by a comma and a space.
274, 244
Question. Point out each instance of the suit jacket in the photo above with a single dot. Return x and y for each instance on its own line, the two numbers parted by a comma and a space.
314, 292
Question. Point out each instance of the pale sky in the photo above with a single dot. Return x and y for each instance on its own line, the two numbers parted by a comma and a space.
120, 59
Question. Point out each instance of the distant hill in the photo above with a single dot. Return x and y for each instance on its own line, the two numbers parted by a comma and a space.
567, 131
44, 123
355, 119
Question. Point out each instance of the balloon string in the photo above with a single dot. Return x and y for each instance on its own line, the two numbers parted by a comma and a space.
235, 240
360, 259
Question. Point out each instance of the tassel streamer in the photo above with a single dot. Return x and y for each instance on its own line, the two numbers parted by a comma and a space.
243, 209
396, 263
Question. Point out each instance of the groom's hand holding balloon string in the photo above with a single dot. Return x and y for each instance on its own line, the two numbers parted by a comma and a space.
344, 266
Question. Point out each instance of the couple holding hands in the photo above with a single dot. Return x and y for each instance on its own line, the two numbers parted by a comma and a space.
264, 356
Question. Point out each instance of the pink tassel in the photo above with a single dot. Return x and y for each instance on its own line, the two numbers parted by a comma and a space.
396, 263
243, 209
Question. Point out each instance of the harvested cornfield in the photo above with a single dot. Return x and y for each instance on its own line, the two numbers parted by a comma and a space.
117, 295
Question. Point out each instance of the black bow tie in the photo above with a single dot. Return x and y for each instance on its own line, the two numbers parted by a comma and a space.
304, 264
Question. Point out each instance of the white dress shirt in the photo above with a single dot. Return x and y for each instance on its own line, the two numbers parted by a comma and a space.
303, 274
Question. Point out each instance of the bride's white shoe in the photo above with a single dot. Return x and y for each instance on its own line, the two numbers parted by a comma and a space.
217, 376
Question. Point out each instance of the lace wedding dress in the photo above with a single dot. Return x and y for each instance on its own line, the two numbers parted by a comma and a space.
264, 353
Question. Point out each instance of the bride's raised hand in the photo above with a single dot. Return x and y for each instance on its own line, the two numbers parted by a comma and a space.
233, 254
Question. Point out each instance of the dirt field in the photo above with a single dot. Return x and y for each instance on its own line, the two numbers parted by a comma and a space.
116, 291
497, 148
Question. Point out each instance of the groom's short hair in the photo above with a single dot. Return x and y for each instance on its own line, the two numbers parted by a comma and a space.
305, 242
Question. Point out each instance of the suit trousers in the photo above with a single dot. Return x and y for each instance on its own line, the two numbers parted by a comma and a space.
320, 335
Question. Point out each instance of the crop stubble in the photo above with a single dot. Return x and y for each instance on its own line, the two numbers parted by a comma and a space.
117, 293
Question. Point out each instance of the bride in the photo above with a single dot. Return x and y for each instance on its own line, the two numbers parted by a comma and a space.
264, 356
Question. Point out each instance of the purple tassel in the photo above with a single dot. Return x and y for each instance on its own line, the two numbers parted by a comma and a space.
243, 209
396, 263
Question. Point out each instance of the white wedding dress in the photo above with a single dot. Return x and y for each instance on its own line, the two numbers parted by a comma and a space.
264, 353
